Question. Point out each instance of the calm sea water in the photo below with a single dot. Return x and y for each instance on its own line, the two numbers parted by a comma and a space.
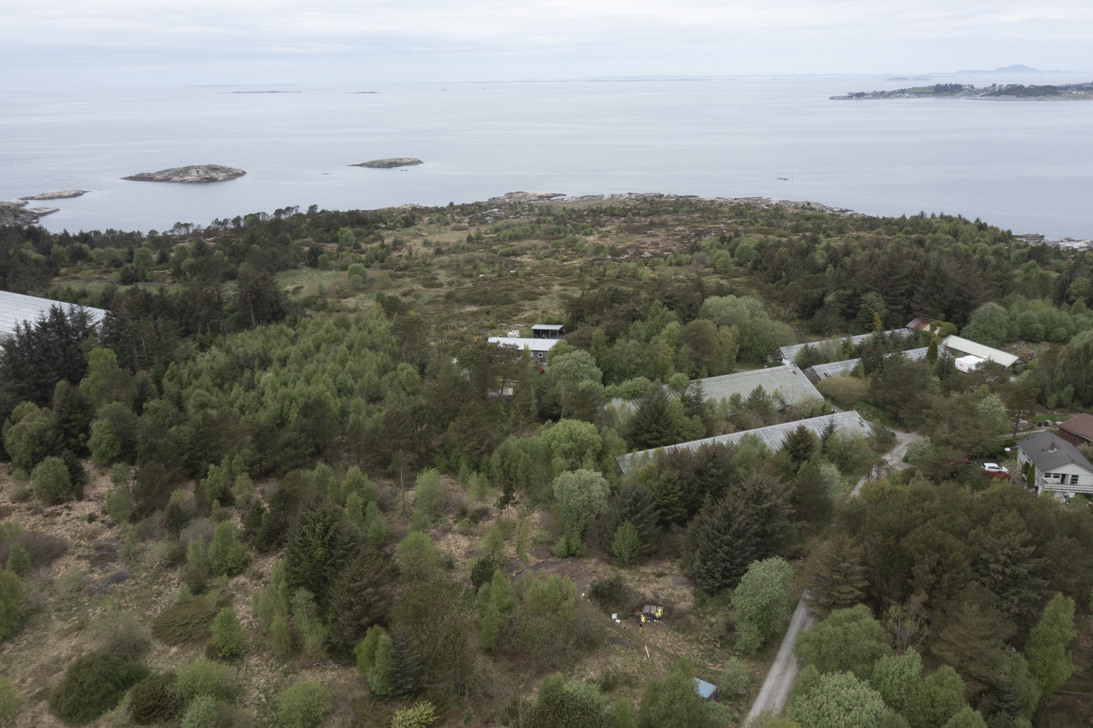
1022, 165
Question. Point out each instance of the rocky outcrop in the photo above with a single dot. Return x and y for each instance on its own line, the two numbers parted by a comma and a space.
527, 196
389, 163
17, 213
62, 195
194, 174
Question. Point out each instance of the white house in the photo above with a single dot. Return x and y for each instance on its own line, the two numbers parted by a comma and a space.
1059, 467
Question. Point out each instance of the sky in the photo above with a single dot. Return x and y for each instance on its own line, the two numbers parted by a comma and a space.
120, 42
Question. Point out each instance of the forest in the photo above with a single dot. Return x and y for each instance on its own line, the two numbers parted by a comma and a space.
288, 480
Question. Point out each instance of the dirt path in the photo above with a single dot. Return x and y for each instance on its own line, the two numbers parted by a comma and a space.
783, 671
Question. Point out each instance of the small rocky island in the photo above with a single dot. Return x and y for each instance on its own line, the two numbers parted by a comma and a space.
389, 163
194, 174
61, 195
968, 91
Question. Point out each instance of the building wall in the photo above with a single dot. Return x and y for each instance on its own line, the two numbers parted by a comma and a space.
1073, 439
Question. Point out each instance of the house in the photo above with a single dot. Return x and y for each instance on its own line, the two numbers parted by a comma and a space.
536, 348
1058, 466
959, 348
15, 309
547, 331
1078, 430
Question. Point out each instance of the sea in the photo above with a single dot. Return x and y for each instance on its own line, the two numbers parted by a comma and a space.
1023, 165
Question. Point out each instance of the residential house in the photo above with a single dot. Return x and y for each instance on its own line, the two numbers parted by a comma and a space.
1077, 430
1057, 465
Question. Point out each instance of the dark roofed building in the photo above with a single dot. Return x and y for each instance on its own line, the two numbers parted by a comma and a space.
547, 331
1058, 466
1077, 430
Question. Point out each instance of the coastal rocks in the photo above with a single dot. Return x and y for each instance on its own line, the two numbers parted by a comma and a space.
193, 174
389, 163
62, 195
527, 196
17, 213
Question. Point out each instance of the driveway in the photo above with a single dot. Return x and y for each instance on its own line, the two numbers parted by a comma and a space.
783, 671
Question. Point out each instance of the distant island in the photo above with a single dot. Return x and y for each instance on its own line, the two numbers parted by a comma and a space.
61, 195
389, 163
968, 91
193, 174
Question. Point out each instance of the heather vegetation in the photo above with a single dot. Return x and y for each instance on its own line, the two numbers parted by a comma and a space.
291, 457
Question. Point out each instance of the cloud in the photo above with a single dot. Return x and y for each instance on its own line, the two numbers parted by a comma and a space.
719, 36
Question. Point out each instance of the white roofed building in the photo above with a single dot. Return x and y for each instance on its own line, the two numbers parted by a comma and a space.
15, 309
537, 348
958, 348
773, 436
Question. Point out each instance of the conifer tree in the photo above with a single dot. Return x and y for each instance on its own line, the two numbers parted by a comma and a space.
725, 543
1047, 648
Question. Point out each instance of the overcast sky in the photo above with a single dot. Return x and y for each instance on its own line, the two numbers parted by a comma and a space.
59, 42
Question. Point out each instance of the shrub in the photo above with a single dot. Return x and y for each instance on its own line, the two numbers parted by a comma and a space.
201, 713
626, 543
303, 705
119, 504
226, 554
43, 548
280, 636
196, 570
51, 481
610, 593
735, 678
421, 715
416, 557
19, 561
205, 677
182, 623
309, 624
120, 634
92, 685
482, 571
9, 700
11, 598
154, 700
229, 642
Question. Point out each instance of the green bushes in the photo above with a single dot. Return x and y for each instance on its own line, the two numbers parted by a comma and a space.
9, 700
226, 554
229, 642
182, 623
201, 713
154, 700
92, 685
205, 677
11, 598
51, 481
303, 705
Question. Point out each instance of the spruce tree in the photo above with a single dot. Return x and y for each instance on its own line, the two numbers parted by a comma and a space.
360, 597
725, 543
